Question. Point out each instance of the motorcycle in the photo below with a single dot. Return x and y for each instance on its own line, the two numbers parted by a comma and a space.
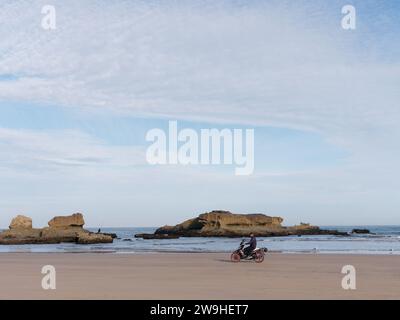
257, 254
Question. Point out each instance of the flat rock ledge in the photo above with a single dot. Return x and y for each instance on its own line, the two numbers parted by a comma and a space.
60, 229
157, 236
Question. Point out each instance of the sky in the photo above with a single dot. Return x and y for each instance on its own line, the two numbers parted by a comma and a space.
76, 104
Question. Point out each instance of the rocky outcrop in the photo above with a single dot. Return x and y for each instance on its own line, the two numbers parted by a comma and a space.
224, 223
227, 224
21, 222
61, 229
75, 220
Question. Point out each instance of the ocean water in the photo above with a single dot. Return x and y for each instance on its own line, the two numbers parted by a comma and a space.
385, 240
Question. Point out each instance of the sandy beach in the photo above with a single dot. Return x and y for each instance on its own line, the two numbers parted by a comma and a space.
197, 276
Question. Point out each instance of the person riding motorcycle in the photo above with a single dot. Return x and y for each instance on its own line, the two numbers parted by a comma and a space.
252, 245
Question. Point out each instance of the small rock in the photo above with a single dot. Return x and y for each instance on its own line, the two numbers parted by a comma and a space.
360, 231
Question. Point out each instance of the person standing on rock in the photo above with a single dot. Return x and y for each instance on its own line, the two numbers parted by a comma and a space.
252, 245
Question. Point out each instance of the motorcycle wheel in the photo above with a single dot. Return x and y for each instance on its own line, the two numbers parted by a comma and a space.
235, 257
259, 257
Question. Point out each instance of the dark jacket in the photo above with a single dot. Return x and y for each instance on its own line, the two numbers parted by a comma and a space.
252, 243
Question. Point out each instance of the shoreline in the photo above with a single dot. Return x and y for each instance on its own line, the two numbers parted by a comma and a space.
197, 276
151, 251
144, 252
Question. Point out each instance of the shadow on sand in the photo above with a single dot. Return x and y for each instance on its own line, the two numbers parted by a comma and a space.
229, 261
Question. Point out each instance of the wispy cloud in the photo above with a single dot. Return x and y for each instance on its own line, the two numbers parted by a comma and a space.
41, 151
261, 63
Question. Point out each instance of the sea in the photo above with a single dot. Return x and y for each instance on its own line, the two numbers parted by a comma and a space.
382, 240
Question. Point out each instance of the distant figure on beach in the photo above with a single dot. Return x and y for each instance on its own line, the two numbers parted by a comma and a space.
252, 245
98, 231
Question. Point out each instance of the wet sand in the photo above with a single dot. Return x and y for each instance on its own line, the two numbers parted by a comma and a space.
197, 276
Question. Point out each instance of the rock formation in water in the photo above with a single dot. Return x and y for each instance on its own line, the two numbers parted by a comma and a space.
227, 224
60, 229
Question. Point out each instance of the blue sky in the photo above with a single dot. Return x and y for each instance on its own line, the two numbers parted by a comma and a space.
76, 103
